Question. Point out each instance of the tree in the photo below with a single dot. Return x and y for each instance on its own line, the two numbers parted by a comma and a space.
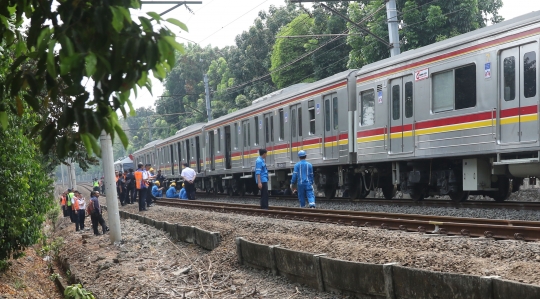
26, 187
426, 23
98, 41
287, 50
220, 78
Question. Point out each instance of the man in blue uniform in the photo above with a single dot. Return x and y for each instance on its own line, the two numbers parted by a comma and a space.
261, 177
303, 174
172, 193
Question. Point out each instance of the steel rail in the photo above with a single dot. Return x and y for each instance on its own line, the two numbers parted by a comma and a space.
473, 227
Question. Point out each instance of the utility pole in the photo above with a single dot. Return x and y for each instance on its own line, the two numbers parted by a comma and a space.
62, 172
207, 92
149, 129
72, 177
110, 185
393, 27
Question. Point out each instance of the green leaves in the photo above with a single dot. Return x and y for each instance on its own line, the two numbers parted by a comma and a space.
4, 119
154, 16
118, 19
177, 23
172, 41
91, 62
51, 64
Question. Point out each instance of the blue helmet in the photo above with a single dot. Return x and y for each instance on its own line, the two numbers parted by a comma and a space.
301, 153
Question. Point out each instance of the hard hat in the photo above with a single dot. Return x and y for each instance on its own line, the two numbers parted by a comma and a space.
301, 153
156, 182
183, 185
173, 184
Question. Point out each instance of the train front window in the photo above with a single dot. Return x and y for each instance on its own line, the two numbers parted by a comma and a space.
367, 107
529, 74
509, 78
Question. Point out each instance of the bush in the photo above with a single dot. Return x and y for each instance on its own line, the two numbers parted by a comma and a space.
76, 291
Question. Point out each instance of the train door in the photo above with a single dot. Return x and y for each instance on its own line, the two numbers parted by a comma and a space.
296, 140
228, 147
401, 115
198, 153
171, 152
246, 136
188, 151
179, 146
268, 138
331, 128
518, 94
212, 149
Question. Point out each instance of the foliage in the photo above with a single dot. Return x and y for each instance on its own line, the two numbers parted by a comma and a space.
26, 193
53, 214
426, 23
76, 291
98, 41
287, 50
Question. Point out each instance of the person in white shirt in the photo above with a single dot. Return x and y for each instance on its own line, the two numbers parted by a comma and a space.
81, 210
189, 176
147, 177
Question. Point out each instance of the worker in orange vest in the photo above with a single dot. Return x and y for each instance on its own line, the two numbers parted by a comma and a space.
140, 184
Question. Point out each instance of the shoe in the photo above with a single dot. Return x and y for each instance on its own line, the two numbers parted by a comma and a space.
312, 207
145, 209
107, 229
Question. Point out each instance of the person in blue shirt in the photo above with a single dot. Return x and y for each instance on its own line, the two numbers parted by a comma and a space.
303, 175
156, 190
261, 177
171, 193
183, 193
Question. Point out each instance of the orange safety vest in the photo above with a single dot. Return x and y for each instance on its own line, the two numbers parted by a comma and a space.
138, 179
63, 200
76, 205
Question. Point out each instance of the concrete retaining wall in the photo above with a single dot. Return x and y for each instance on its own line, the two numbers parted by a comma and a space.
372, 281
189, 234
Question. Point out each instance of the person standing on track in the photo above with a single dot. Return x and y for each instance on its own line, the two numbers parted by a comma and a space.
95, 184
131, 196
261, 177
81, 210
141, 187
121, 183
96, 216
148, 177
69, 205
189, 175
303, 174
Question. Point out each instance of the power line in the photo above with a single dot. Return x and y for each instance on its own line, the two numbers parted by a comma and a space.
233, 21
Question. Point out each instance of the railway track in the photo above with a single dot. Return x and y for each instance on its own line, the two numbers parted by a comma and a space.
441, 225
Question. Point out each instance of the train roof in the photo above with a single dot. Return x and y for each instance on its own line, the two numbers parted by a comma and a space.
185, 131
280, 95
495, 29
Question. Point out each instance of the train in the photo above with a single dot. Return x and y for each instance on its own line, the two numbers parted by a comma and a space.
455, 118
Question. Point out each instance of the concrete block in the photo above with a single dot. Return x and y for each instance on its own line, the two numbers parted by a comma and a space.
257, 255
360, 280
505, 289
238, 242
140, 218
186, 233
205, 239
159, 225
415, 283
296, 266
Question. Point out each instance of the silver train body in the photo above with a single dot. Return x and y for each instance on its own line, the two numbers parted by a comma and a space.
455, 118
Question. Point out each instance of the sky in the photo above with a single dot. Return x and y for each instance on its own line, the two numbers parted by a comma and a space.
218, 22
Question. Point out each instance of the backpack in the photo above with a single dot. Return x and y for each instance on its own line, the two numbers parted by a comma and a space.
90, 208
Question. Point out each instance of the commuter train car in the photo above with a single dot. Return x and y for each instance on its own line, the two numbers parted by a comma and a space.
455, 118
147, 154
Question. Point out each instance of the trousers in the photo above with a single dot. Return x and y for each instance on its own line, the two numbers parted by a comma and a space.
79, 225
142, 198
190, 190
97, 218
306, 191
264, 196
131, 197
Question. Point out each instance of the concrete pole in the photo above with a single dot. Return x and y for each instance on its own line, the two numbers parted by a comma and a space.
72, 177
393, 27
207, 92
62, 171
115, 234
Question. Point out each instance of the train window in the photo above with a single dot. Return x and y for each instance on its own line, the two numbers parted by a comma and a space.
529, 74
367, 107
266, 130
281, 125
335, 117
272, 128
455, 89
465, 89
327, 115
443, 93
299, 121
395, 102
408, 99
293, 122
509, 78
236, 139
311, 110
219, 140
256, 130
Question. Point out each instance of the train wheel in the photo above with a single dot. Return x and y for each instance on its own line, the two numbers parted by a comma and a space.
516, 184
329, 192
389, 191
416, 195
459, 196
505, 189
361, 187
